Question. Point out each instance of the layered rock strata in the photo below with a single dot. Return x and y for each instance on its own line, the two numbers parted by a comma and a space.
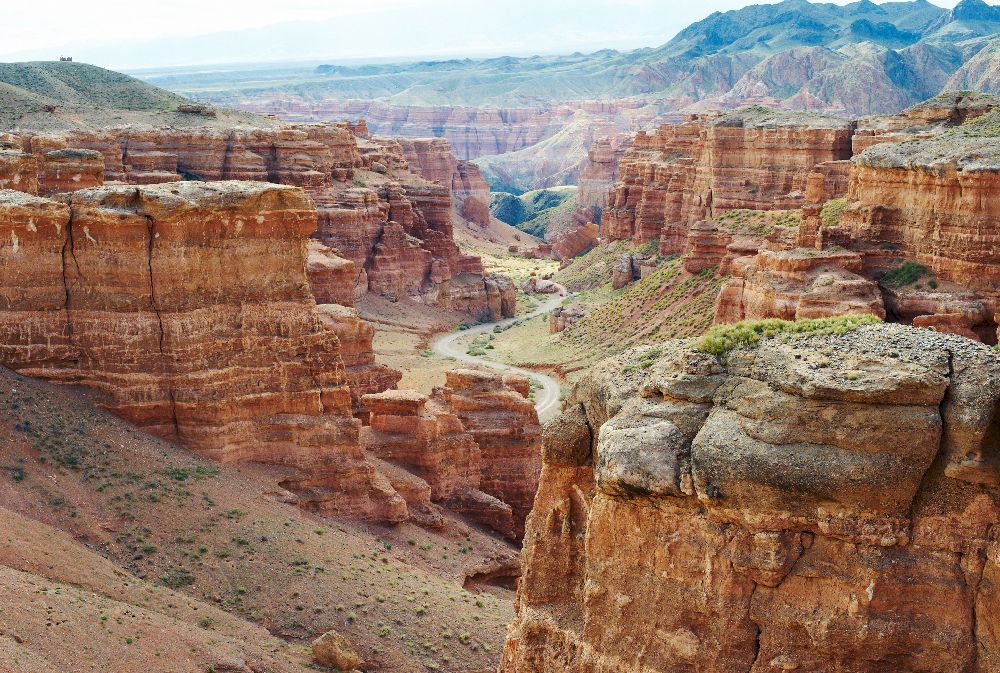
186, 305
823, 503
496, 411
754, 159
321, 158
795, 284
424, 436
930, 202
432, 159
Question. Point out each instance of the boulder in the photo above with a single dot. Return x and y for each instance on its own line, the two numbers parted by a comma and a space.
334, 650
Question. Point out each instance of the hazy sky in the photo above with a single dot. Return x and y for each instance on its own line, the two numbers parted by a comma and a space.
142, 33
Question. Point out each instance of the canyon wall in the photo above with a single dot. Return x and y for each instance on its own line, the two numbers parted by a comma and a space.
360, 187
433, 159
600, 171
474, 443
187, 306
902, 230
931, 202
754, 159
817, 503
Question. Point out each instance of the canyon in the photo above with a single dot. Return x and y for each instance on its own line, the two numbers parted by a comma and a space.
279, 386
529, 121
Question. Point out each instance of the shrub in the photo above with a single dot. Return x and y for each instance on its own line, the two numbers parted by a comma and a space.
906, 274
722, 339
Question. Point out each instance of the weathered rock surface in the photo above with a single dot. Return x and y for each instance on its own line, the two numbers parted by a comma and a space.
425, 436
69, 170
18, 170
824, 503
321, 158
187, 306
600, 171
753, 159
432, 159
495, 410
794, 284
333, 649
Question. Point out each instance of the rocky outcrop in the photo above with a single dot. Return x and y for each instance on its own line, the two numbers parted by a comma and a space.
495, 410
332, 278
795, 284
432, 159
630, 268
600, 171
18, 170
423, 435
187, 306
364, 375
933, 209
817, 503
68, 170
754, 159
333, 649
707, 246
576, 240
564, 316
321, 158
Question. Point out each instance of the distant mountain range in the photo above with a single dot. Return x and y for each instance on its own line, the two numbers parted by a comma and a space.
854, 59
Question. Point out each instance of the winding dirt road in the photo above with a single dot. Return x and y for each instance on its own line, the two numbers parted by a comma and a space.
547, 398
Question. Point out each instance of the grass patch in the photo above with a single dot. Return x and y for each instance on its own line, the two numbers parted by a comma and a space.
832, 211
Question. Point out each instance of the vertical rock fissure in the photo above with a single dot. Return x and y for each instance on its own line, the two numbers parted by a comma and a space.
940, 456
974, 602
69, 250
757, 630
167, 370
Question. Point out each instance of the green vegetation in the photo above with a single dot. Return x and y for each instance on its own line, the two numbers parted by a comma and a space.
832, 211
908, 273
723, 339
533, 212
759, 222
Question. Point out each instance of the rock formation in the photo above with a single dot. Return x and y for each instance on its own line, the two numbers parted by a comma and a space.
600, 171
564, 316
754, 159
793, 284
432, 159
68, 170
817, 503
423, 435
187, 306
902, 230
494, 409
321, 158
18, 170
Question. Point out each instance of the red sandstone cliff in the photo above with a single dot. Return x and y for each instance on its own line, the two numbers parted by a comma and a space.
321, 158
753, 159
188, 307
485, 470
698, 516
432, 159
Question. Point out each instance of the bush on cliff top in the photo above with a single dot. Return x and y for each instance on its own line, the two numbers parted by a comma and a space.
723, 339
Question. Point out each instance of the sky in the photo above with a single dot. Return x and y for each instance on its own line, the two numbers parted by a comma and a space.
134, 34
